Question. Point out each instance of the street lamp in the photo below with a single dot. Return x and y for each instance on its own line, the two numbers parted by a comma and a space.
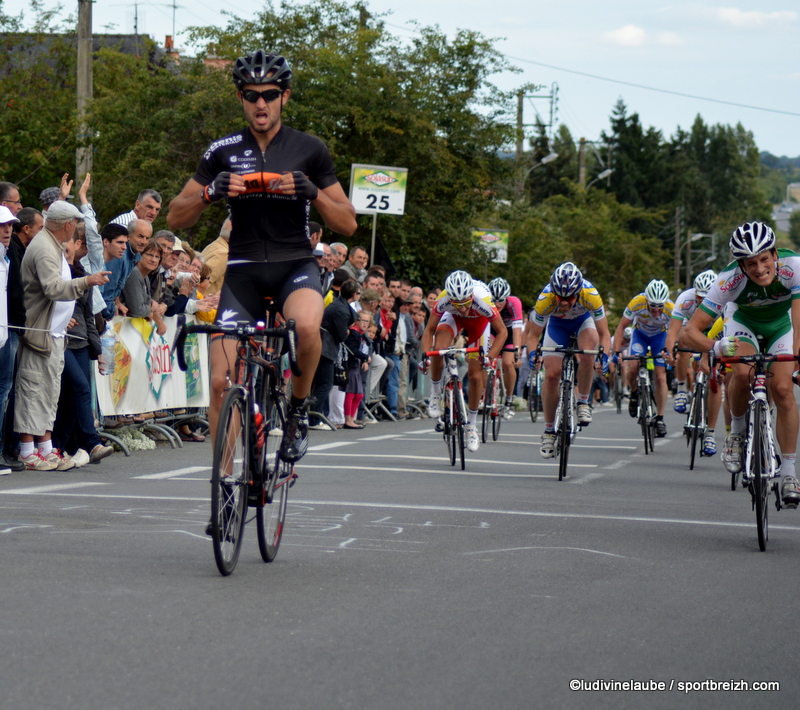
601, 176
549, 158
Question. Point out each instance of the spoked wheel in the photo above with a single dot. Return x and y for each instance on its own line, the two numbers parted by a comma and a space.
497, 410
618, 391
449, 424
760, 473
535, 396
278, 477
488, 406
564, 432
461, 418
229, 481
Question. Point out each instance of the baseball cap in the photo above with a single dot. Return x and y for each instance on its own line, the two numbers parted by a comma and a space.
63, 210
177, 246
49, 195
318, 251
6, 216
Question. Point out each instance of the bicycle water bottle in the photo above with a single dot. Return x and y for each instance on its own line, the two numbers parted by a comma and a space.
105, 362
260, 429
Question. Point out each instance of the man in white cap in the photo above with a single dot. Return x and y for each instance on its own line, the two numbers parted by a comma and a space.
50, 295
7, 221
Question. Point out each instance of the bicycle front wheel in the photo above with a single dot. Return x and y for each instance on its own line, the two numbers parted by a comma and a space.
696, 424
565, 429
277, 478
230, 476
488, 406
461, 422
759, 458
497, 410
448, 414
618, 391
535, 396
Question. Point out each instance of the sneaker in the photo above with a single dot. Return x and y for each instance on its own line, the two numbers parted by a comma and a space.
548, 449
584, 414
35, 462
62, 461
681, 401
80, 458
439, 425
709, 445
435, 406
471, 435
661, 429
322, 426
732, 455
633, 404
790, 492
12, 463
295, 438
99, 452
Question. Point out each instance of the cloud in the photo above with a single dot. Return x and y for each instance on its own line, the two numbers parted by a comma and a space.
635, 36
627, 36
669, 38
755, 18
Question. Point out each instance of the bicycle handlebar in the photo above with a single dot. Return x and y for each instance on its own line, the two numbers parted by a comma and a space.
240, 330
454, 351
573, 351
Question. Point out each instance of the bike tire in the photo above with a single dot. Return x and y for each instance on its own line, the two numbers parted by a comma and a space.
488, 406
462, 422
618, 396
449, 424
651, 417
230, 476
565, 430
278, 477
760, 471
498, 410
535, 397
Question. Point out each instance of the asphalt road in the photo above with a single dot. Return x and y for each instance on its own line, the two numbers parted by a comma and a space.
401, 581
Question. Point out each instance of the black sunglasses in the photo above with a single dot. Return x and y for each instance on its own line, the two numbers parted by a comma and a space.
252, 96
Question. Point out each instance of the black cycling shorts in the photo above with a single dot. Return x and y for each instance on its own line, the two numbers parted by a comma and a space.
247, 285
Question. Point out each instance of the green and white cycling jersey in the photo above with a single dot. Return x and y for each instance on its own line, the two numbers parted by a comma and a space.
685, 306
763, 303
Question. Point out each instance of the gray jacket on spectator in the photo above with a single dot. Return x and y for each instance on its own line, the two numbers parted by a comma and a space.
41, 279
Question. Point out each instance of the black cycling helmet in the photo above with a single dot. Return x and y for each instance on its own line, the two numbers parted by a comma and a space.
262, 68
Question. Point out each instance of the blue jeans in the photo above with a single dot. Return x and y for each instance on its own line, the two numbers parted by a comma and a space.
74, 426
8, 356
393, 383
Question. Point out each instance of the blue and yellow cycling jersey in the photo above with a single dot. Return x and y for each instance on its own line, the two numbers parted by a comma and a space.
588, 301
639, 313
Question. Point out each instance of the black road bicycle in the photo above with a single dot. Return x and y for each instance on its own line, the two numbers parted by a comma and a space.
247, 470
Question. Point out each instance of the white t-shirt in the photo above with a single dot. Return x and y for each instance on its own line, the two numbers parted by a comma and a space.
63, 309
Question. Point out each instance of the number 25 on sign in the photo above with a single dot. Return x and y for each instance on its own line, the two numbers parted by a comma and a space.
378, 189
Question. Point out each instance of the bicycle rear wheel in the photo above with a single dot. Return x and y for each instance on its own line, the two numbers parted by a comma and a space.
277, 479
760, 472
230, 476
488, 406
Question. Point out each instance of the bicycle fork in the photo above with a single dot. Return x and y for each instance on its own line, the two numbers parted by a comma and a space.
772, 460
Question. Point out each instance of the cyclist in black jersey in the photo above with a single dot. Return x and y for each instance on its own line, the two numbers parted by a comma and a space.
270, 174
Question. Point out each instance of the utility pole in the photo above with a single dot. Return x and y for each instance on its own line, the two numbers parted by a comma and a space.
582, 164
676, 274
83, 154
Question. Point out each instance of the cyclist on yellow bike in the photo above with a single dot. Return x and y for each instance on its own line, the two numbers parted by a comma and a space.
763, 286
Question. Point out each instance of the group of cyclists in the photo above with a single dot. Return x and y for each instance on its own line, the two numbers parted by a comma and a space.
270, 175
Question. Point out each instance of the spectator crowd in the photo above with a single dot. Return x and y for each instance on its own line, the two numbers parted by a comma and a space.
65, 277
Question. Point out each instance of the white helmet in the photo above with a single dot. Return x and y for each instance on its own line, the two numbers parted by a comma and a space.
627, 334
499, 289
567, 280
656, 293
703, 282
751, 239
459, 286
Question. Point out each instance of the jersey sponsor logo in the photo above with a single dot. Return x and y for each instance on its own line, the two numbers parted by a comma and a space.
300, 279
233, 158
380, 178
785, 271
228, 317
248, 153
732, 283
230, 140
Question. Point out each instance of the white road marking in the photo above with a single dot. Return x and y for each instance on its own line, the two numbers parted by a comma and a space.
395, 457
383, 437
617, 464
448, 472
585, 479
48, 489
174, 473
550, 547
332, 445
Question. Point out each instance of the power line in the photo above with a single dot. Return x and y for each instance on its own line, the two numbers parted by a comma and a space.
629, 83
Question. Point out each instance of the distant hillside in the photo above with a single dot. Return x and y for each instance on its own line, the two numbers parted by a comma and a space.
776, 174
776, 163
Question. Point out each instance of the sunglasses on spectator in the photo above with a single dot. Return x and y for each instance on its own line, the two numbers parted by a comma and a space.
252, 96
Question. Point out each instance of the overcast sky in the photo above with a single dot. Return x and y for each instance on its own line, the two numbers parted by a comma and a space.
668, 62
